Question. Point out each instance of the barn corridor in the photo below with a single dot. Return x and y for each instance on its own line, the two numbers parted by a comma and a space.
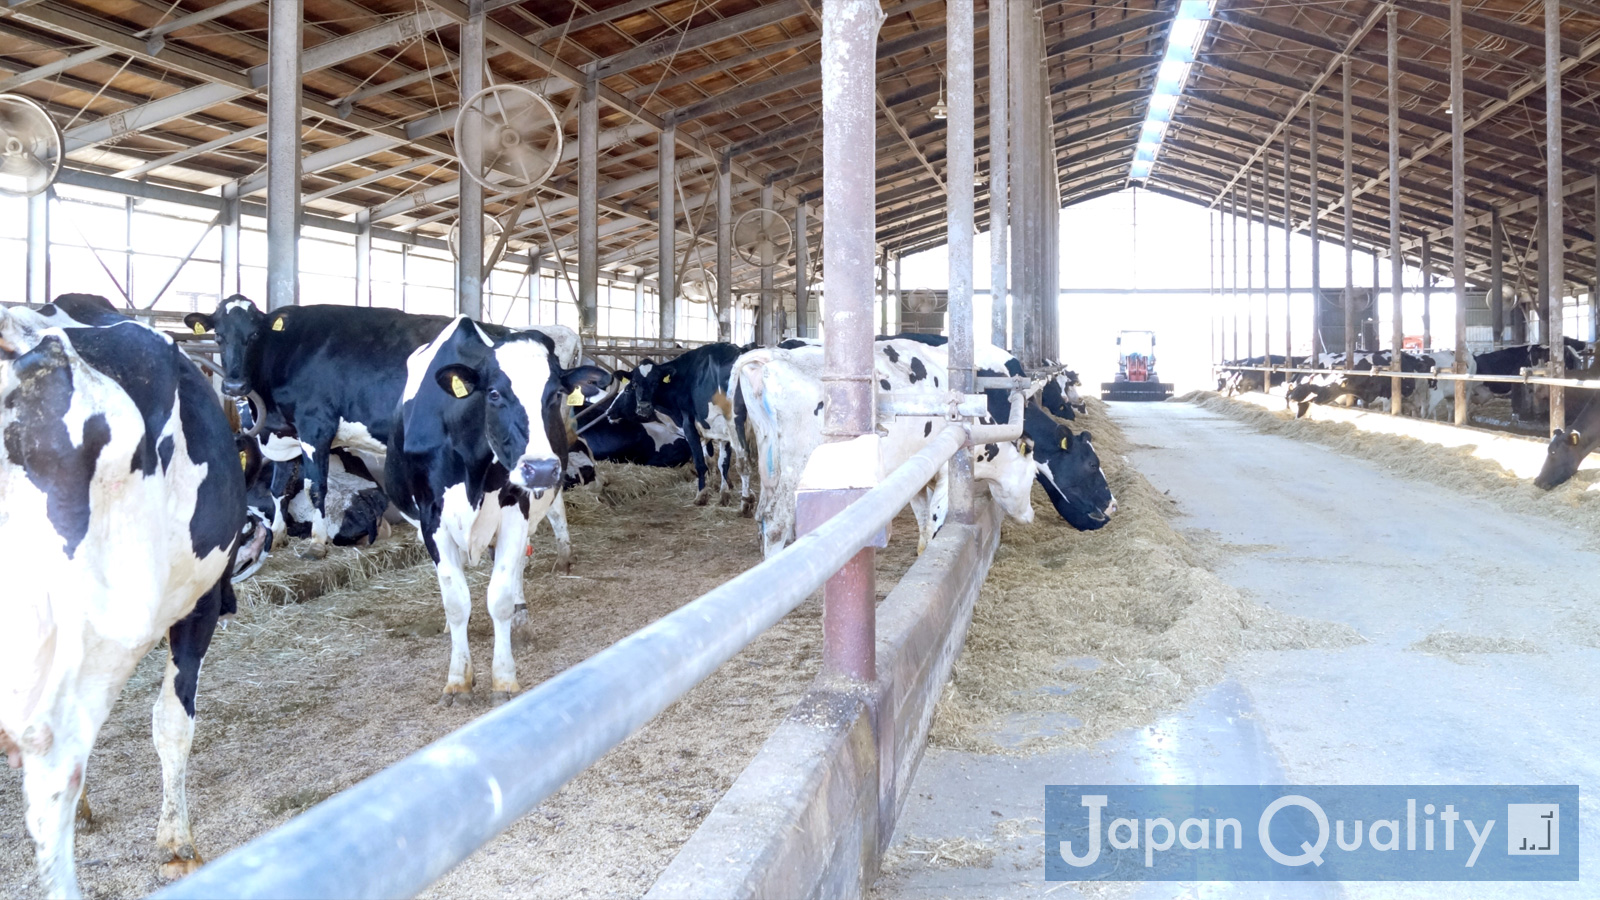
1481, 633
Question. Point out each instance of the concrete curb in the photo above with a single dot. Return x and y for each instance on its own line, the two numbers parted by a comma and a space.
812, 813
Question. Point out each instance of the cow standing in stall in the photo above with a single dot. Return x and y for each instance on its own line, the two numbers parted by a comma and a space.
121, 509
333, 375
478, 447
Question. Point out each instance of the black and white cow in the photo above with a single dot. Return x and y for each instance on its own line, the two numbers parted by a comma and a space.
478, 446
332, 375
121, 507
80, 311
692, 391
1570, 446
613, 433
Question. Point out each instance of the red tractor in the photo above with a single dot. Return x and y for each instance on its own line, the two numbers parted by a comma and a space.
1136, 370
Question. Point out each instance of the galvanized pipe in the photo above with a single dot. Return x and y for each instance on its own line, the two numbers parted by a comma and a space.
363, 257
1396, 261
999, 174
1497, 300
1594, 293
400, 830
666, 228
849, 145
1555, 218
960, 224
724, 249
1458, 205
1349, 224
802, 259
1427, 294
589, 206
230, 240
1024, 189
39, 247
283, 153
1266, 262
1233, 210
469, 235
1317, 345
1288, 255
1249, 264
766, 311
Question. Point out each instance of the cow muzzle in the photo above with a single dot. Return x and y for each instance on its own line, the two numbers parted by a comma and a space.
235, 387
537, 475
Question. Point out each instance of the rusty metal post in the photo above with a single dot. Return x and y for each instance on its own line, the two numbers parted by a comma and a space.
1555, 219
1396, 259
802, 260
1458, 206
960, 219
849, 73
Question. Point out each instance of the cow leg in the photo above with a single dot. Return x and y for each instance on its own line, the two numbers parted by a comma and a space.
172, 725
505, 595
53, 761
457, 598
314, 464
698, 454
724, 463
747, 497
556, 515
919, 508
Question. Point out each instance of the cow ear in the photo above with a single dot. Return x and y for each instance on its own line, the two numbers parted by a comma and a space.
199, 323
667, 378
277, 321
591, 380
1066, 439
457, 381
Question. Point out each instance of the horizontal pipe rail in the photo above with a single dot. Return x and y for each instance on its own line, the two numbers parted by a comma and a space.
1528, 378
400, 830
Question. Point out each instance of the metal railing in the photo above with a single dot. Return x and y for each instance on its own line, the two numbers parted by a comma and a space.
1527, 376
400, 830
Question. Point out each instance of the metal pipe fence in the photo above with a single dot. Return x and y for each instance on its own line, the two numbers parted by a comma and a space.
395, 833
1528, 376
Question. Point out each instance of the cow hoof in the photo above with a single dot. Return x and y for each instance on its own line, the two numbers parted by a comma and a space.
500, 698
701, 498
85, 817
564, 564
456, 698
724, 499
177, 866
747, 509
313, 551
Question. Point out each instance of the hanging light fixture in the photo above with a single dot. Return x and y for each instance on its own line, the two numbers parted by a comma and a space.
1183, 42
940, 110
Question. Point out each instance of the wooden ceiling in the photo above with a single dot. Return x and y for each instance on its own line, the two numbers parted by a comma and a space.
172, 93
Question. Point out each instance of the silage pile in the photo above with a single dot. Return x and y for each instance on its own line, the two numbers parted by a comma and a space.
1109, 628
1450, 467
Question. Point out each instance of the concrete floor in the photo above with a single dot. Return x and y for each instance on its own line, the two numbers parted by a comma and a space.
1334, 539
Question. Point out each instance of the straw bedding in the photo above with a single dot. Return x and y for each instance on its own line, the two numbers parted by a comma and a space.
299, 700
1076, 636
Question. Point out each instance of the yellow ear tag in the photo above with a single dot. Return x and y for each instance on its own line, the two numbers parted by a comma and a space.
622, 384
576, 397
666, 379
277, 324
458, 387
199, 329
1063, 443
244, 461
1573, 438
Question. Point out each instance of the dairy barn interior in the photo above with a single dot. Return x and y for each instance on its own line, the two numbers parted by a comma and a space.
829, 448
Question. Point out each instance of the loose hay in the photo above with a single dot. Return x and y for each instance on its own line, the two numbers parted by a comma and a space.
1456, 647
944, 853
286, 578
1134, 597
1449, 467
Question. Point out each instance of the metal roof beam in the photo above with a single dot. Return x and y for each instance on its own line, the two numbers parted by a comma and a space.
674, 41
1488, 24
1158, 19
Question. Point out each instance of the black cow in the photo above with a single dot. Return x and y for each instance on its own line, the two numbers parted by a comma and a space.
692, 390
478, 446
658, 443
331, 374
1068, 470
123, 505
80, 310
1570, 446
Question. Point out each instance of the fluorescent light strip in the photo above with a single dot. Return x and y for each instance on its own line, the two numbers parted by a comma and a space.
1183, 42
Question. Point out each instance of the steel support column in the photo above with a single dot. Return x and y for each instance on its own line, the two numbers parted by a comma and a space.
724, 249
849, 73
39, 247
1026, 191
363, 258
767, 311
1249, 265
1349, 226
229, 226
1266, 267
1497, 301
1233, 246
589, 207
999, 174
1594, 291
1555, 220
1317, 346
1427, 294
1288, 254
1458, 207
802, 259
960, 224
667, 235
469, 237
283, 153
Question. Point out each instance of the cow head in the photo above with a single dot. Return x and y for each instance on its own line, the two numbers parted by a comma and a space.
239, 326
1060, 395
644, 384
1069, 470
513, 393
1561, 459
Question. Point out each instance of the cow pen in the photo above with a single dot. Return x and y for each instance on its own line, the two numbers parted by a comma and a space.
663, 473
